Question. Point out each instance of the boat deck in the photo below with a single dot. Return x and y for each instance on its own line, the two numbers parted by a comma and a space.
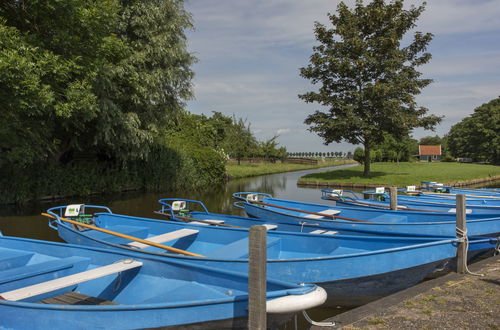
75, 298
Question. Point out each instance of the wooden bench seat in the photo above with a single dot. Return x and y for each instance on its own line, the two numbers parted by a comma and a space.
62, 282
167, 237
324, 232
207, 222
326, 213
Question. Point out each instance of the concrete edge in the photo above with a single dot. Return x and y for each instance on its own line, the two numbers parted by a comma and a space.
381, 305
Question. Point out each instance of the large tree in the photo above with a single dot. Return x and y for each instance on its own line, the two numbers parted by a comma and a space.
367, 79
89, 75
478, 136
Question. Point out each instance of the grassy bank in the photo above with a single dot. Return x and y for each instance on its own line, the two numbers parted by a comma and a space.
253, 169
406, 173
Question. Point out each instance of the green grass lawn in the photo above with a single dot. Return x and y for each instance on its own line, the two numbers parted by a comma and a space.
403, 174
253, 169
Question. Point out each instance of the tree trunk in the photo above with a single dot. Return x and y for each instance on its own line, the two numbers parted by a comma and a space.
366, 171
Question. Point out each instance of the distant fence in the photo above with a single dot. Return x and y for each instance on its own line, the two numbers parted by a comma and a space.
307, 161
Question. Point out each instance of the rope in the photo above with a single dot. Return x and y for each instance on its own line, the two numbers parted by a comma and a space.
462, 236
318, 324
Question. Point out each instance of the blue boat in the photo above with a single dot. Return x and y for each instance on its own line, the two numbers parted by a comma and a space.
380, 200
48, 285
352, 269
336, 217
443, 189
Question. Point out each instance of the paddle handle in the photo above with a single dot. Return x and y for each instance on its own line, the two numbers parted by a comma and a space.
132, 238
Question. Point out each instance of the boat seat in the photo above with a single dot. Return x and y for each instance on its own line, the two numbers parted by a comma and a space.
238, 249
325, 212
208, 222
13, 258
324, 232
167, 237
20, 273
62, 282
454, 210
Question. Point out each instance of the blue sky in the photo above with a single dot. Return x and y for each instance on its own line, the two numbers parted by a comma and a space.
250, 51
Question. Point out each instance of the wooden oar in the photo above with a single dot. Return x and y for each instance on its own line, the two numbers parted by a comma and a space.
132, 238
308, 212
208, 222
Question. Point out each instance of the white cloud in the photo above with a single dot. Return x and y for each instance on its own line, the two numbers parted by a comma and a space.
282, 131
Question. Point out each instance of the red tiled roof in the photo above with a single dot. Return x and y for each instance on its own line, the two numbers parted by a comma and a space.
429, 150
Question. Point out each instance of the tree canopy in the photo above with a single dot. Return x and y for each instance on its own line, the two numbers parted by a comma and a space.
478, 135
99, 75
431, 140
367, 79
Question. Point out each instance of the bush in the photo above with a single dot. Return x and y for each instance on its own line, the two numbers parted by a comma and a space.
172, 165
359, 155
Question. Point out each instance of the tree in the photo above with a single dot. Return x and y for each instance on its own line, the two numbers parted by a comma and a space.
240, 141
368, 81
359, 155
100, 76
477, 136
430, 141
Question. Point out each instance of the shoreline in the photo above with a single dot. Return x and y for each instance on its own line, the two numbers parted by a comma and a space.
324, 184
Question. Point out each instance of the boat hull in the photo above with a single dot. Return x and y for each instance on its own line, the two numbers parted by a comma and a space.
479, 227
379, 274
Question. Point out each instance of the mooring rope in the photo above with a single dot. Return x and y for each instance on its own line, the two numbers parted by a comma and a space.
462, 236
318, 324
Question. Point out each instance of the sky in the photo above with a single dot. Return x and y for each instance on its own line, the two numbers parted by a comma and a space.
250, 51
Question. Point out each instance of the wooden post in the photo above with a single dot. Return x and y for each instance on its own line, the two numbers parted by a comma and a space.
257, 257
461, 228
393, 191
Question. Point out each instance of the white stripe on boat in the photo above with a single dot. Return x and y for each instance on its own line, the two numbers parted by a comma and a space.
62, 282
270, 227
167, 237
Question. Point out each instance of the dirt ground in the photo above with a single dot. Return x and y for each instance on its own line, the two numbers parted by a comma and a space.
455, 302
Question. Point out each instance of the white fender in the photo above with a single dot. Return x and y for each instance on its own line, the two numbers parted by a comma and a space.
296, 303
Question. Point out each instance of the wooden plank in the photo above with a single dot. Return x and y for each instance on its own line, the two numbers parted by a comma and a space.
167, 237
324, 232
393, 191
76, 298
59, 283
257, 247
325, 212
330, 232
270, 227
317, 231
461, 233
